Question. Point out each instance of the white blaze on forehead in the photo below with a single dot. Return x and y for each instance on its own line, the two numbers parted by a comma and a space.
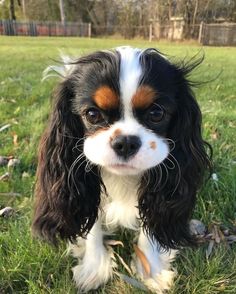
130, 74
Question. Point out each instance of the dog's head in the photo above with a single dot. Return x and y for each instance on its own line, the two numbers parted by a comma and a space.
130, 112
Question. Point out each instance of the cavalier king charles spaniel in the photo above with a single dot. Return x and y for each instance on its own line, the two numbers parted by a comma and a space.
123, 148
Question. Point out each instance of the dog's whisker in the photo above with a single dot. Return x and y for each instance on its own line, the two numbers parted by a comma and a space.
74, 163
167, 175
178, 173
170, 141
172, 164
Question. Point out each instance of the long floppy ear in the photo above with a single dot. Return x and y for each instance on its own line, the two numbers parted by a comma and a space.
67, 192
167, 194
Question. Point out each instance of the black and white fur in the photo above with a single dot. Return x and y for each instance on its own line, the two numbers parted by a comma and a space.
138, 168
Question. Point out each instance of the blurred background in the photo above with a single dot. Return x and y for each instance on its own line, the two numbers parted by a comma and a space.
211, 22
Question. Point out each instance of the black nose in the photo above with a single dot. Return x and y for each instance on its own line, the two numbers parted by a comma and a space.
126, 146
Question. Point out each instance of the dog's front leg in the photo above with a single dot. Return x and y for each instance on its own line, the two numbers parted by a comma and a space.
96, 262
161, 276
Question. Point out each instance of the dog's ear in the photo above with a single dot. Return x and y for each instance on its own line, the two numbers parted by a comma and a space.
67, 191
166, 207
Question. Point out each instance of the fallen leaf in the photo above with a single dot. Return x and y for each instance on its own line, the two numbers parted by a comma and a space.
222, 236
215, 135
216, 234
210, 248
231, 239
197, 227
13, 162
143, 259
5, 127
15, 139
113, 243
5, 177
6, 211
133, 282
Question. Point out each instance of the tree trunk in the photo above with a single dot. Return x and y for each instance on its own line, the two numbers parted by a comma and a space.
194, 18
195, 12
24, 9
62, 11
169, 9
12, 10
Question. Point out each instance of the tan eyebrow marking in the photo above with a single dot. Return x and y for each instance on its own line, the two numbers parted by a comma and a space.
144, 97
153, 145
106, 98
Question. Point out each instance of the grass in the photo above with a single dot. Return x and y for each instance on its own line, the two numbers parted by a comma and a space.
30, 266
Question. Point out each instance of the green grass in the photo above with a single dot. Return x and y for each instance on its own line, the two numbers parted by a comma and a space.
30, 266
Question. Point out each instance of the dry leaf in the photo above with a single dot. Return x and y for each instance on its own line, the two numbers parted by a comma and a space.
197, 227
215, 135
222, 236
5, 177
6, 211
143, 259
113, 243
216, 233
133, 282
15, 139
5, 127
209, 249
231, 239
13, 162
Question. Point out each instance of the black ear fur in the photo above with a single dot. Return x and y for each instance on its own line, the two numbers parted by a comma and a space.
166, 208
67, 199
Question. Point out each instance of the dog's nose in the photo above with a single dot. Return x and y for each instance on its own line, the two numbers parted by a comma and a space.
126, 146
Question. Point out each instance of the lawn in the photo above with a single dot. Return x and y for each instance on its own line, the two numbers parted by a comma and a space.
30, 266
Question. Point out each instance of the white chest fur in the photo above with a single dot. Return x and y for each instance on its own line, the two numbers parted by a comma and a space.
120, 207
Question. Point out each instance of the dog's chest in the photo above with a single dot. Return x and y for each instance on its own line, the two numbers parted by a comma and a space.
120, 206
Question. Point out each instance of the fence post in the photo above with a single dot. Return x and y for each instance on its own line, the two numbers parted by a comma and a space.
200, 32
150, 32
89, 29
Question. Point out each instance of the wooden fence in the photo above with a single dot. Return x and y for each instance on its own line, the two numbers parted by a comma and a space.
207, 34
218, 34
36, 28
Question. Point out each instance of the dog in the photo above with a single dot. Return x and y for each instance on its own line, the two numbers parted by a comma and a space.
123, 148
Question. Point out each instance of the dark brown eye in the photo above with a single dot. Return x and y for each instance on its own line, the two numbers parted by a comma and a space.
93, 116
155, 114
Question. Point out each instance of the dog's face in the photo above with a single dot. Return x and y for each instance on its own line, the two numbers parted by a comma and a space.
126, 110
130, 112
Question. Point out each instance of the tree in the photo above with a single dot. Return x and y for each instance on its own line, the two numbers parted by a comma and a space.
9, 9
62, 11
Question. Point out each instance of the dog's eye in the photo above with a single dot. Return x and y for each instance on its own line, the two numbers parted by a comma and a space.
94, 116
155, 114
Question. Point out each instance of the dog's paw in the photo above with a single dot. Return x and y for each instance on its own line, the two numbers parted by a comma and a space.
94, 271
160, 283
159, 278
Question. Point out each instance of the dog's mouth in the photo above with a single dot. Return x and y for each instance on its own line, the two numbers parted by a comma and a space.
121, 165
122, 169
